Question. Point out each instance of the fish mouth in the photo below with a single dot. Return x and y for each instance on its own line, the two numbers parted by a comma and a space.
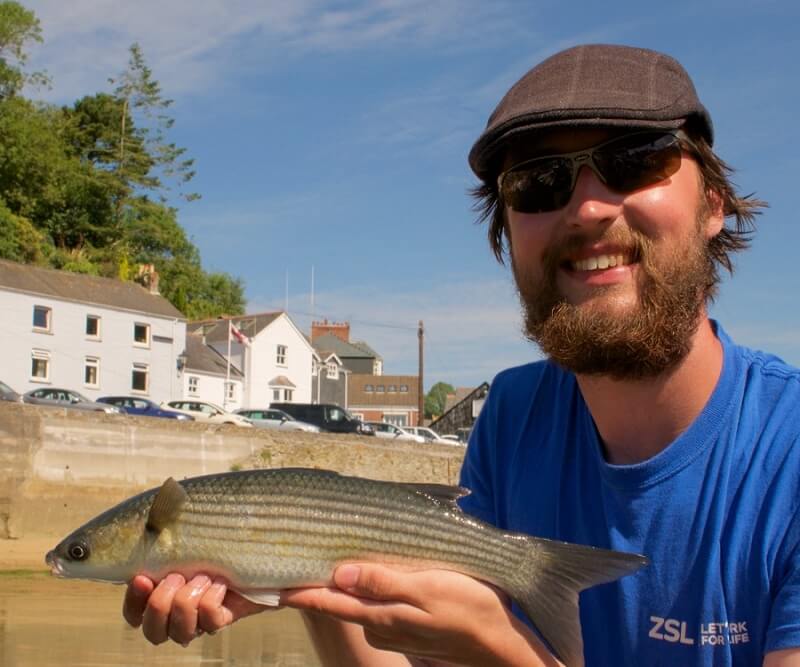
56, 566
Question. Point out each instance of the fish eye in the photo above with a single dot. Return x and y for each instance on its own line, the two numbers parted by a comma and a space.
78, 551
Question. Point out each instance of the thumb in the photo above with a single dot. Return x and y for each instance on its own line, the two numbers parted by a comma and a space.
373, 581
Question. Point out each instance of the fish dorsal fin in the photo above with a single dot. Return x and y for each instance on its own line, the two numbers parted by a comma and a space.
166, 506
441, 493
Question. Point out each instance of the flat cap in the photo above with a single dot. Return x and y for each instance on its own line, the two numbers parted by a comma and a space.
593, 84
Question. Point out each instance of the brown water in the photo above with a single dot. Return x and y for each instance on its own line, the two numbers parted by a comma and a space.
51, 622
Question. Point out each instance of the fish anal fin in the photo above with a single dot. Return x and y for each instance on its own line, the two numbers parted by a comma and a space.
268, 597
166, 506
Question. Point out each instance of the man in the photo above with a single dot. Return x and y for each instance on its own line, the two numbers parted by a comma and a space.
647, 430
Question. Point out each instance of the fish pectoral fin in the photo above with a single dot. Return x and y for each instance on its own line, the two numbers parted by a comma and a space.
269, 597
166, 506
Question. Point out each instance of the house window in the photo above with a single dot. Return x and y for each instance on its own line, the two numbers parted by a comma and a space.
368, 388
287, 394
396, 419
40, 366
392, 389
141, 334
140, 378
230, 391
91, 372
377, 367
276, 394
403, 388
280, 357
41, 318
332, 371
380, 389
193, 380
92, 326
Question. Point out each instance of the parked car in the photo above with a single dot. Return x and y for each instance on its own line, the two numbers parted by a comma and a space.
135, 405
328, 416
272, 418
67, 398
208, 412
428, 433
453, 438
392, 432
8, 394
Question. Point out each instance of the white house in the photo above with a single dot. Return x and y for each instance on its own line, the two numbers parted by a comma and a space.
272, 356
209, 377
98, 336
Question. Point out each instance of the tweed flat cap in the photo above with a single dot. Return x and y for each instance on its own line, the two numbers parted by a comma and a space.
593, 84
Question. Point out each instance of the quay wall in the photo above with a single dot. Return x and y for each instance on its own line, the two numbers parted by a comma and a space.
59, 467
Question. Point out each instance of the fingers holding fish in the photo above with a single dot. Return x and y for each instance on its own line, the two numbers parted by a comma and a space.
182, 625
156, 617
135, 602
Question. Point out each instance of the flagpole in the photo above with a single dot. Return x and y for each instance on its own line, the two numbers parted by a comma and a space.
227, 371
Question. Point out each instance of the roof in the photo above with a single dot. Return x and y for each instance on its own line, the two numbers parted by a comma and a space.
204, 359
471, 394
216, 330
454, 399
84, 288
282, 381
358, 396
344, 350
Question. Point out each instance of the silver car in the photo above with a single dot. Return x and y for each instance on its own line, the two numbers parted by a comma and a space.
392, 432
67, 398
8, 394
272, 418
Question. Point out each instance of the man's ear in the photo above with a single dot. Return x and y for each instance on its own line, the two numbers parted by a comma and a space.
715, 219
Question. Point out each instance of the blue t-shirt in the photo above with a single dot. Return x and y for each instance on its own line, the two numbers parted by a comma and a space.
716, 511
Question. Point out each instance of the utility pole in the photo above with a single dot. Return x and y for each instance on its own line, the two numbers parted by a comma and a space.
420, 391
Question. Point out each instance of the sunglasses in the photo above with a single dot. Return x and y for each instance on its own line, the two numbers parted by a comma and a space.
624, 164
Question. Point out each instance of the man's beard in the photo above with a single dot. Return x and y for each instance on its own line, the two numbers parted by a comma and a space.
643, 341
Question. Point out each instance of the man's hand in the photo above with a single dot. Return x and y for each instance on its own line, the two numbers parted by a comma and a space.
180, 610
432, 614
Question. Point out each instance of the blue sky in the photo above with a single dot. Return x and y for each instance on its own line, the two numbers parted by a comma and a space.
334, 134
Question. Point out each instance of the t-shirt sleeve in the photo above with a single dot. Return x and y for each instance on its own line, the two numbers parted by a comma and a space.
784, 626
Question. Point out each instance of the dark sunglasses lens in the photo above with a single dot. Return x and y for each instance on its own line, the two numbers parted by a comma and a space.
540, 186
637, 161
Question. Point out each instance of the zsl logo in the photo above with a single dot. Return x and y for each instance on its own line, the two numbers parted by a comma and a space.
669, 630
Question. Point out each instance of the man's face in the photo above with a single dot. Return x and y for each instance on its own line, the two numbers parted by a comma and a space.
613, 283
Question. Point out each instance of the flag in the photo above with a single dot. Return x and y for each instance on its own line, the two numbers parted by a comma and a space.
239, 336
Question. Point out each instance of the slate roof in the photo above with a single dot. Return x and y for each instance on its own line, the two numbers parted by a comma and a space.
204, 359
216, 330
343, 349
359, 397
83, 288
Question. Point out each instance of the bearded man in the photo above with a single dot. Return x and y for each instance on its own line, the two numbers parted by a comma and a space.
646, 430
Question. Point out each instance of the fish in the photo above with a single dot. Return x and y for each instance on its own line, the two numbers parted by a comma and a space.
266, 530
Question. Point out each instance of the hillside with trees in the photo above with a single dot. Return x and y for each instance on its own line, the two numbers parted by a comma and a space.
87, 187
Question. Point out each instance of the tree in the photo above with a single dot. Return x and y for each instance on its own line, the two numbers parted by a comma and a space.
436, 398
140, 100
18, 26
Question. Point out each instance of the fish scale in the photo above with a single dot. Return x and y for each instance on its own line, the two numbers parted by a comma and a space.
283, 528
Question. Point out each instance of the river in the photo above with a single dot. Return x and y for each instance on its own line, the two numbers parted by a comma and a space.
46, 621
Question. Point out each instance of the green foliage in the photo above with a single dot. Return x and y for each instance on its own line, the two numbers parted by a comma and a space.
435, 399
17, 27
84, 187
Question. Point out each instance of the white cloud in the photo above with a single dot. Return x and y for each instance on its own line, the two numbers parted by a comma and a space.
192, 46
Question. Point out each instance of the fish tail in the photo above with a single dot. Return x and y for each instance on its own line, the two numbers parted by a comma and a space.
549, 577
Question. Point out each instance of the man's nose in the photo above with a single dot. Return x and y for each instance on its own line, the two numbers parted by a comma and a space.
592, 202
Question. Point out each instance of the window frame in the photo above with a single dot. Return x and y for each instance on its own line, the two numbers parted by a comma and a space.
48, 313
91, 362
281, 354
144, 369
192, 385
98, 334
44, 357
148, 336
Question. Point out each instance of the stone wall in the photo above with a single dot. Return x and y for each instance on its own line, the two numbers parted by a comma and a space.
59, 467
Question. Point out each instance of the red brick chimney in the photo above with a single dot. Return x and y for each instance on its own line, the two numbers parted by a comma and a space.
339, 329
